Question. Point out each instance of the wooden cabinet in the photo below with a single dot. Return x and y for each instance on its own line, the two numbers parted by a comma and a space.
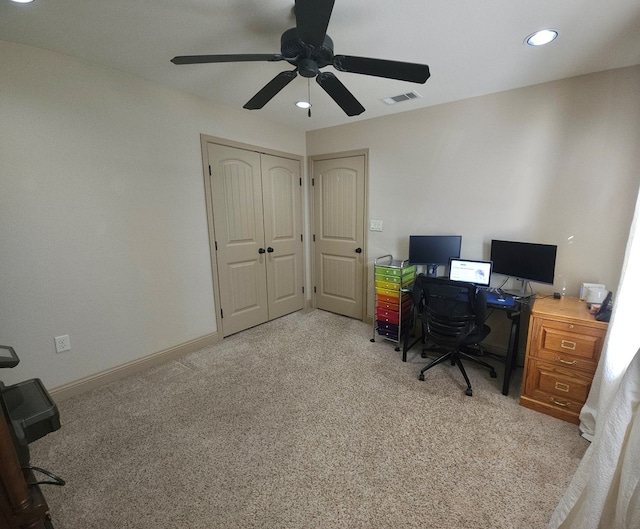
563, 349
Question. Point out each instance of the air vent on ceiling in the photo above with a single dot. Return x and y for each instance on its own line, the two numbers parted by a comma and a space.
400, 98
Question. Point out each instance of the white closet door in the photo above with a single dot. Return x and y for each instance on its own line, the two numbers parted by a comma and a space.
236, 189
282, 205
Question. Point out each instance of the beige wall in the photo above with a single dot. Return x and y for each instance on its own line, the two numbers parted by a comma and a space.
555, 163
103, 231
103, 228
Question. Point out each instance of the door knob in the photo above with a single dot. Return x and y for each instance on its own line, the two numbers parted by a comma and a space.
358, 250
261, 250
270, 250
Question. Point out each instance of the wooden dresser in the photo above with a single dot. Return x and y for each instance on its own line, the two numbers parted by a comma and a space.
563, 349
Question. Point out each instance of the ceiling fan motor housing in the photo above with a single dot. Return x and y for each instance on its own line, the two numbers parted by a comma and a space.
308, 59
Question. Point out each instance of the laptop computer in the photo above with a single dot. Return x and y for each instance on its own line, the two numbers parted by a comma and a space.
478, 273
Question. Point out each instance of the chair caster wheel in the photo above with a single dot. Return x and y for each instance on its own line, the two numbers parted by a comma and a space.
421, 377
469, 393
493, 374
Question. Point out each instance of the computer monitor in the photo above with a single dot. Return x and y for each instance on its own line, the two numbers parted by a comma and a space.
433, 250
524, 261
476, 272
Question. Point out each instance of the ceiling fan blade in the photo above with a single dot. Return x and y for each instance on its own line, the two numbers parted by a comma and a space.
312, 20
202, 59
339, 93
270, 90
403, 71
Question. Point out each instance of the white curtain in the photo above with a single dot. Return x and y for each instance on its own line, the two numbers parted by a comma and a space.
605, 491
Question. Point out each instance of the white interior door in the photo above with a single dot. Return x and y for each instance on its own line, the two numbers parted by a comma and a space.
236, 197
282, 204
339, 257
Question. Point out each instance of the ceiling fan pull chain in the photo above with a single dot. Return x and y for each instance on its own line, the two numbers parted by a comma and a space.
309, 96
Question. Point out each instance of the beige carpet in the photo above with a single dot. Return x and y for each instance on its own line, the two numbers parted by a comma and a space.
304, 423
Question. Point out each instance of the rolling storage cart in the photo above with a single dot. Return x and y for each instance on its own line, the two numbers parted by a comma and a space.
392, 305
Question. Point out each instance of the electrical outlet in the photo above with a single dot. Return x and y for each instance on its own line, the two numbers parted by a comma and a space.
62, 343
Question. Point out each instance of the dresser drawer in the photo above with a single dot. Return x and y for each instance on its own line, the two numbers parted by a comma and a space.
567, 344
556, 387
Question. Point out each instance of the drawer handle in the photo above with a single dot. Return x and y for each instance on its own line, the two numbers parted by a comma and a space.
572, 363
562, 387
566, 344
563, 404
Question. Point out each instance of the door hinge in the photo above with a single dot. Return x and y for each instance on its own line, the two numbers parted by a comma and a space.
303, 290
300, 181
216, 245
314, 237
313, 181
209, 170
301, 239
314, 290
221, 314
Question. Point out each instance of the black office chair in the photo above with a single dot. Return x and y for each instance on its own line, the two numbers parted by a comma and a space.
452, 315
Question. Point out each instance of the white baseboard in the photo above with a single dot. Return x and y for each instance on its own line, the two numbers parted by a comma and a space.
124, 370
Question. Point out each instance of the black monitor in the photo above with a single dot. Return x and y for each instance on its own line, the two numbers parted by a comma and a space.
524, 261
433, 250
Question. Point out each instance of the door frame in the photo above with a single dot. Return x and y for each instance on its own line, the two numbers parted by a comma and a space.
205, 139
365, 210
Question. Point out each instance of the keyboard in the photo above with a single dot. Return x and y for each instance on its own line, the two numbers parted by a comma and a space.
499, 300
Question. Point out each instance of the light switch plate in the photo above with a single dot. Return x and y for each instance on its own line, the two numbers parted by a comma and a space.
375, 225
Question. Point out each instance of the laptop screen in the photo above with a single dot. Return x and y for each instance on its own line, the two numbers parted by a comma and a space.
476, 272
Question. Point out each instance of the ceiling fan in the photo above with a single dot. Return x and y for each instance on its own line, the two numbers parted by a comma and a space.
309, 48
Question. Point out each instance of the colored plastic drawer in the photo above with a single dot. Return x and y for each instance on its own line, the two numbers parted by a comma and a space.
397, 272
407, 281
406, 306
388, 306
382, 298
387, 285
387, 315
388, 293
389, 279
391, 335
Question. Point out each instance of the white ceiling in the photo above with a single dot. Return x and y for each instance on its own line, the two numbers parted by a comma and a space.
473, 47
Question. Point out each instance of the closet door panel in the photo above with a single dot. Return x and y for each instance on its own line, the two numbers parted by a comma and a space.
282, 201
236, 188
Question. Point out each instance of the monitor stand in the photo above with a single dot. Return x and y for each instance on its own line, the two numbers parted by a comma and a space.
522, 292
432, 270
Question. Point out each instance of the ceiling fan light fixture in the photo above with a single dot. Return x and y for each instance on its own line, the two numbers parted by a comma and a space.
303, 104
541, 37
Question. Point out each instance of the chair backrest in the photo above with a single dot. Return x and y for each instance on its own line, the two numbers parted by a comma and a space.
450, 310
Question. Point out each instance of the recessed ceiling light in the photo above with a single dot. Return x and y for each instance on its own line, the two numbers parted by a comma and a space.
303, 104
22, 1
542, 37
